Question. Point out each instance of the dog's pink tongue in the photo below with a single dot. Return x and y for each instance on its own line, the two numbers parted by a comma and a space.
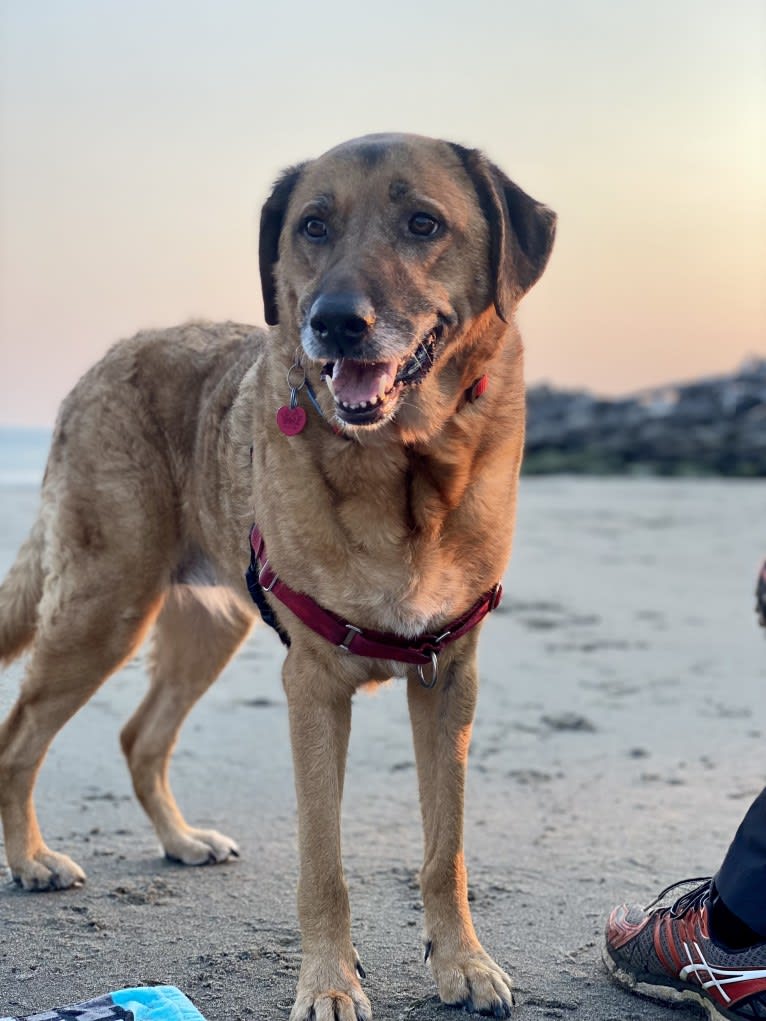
356, 382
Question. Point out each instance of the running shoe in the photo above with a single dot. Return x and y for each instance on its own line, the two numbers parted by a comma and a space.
667, 954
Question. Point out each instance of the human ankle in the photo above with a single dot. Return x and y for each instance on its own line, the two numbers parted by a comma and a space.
726, 929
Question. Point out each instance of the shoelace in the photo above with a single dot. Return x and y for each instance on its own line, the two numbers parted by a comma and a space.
687, 901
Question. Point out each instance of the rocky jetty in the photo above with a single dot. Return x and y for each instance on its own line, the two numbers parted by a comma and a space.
714, 426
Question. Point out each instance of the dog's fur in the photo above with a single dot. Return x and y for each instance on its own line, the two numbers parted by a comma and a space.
168, 449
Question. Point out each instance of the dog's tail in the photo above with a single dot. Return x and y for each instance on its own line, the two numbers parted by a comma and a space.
20, 595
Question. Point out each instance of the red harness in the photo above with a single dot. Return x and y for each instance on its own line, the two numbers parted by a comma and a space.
418, 651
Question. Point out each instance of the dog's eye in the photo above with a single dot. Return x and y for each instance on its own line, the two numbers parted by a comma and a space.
423, 225
314, 228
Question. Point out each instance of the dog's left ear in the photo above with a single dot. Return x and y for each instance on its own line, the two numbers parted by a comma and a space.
521, 230
272, 221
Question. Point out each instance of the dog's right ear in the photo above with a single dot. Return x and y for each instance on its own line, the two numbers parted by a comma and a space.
272, 221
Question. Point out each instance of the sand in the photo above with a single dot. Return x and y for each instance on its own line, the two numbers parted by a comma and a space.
619, 740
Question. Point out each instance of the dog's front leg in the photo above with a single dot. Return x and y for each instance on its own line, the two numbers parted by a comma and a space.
320, 720
441, 724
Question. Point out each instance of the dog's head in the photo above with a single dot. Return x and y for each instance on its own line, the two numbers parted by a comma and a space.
382, 254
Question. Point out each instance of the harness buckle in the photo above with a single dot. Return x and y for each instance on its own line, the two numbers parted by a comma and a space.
351, 633
272, 583
495, 596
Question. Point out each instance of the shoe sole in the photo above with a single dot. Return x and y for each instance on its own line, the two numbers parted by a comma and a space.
660, 992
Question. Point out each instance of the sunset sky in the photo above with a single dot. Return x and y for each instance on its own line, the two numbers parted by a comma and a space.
138, 140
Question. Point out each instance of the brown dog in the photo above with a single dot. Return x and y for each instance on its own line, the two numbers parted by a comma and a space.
391, 268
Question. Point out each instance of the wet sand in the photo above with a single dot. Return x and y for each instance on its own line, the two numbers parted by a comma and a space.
619, 739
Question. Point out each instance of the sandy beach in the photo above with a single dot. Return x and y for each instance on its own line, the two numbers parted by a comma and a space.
619, 739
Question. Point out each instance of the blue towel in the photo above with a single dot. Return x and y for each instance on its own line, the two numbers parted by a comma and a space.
150, 1003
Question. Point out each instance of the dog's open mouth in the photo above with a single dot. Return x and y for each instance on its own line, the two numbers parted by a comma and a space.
367, 392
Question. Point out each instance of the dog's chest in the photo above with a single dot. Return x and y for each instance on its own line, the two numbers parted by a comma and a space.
405, 562
381, 538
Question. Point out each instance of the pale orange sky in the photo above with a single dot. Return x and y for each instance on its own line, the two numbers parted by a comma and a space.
137, 141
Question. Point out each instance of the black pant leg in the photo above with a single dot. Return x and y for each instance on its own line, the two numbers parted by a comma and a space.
741, 880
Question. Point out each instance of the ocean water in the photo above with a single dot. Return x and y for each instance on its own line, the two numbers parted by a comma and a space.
23, 453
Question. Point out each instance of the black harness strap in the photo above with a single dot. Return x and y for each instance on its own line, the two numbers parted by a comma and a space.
259, 598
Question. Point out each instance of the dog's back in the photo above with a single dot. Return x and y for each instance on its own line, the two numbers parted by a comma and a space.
128, 431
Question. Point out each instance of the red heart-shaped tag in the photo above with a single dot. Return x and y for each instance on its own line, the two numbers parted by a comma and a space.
291, 421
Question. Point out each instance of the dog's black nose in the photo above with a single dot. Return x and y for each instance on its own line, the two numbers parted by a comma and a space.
342, 319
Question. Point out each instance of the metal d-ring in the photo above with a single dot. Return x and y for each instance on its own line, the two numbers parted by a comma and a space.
434, 672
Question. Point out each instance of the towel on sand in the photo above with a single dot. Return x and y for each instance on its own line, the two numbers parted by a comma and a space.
152, 1003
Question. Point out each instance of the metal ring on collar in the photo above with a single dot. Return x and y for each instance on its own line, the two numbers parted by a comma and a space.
434, 672
302, 379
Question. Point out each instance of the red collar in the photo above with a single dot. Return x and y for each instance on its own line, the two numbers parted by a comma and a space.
419, 651
477, 389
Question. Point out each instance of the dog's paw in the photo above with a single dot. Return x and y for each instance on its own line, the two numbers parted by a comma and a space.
332, 1005
330, 994
46, 870
473, 981
200, 847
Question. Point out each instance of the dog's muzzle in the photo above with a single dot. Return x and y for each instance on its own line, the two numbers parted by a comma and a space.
367, 392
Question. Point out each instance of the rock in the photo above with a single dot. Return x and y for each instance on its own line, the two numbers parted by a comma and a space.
714, 426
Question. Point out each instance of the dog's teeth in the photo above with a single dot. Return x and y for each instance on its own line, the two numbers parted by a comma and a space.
362, 405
